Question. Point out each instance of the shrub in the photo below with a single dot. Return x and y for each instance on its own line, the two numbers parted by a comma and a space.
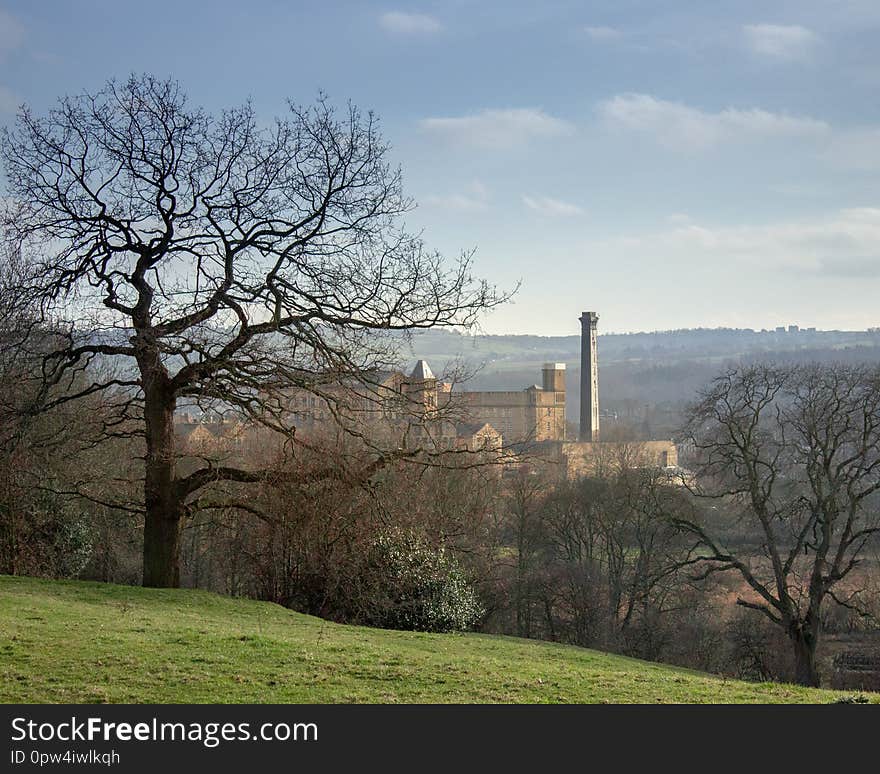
413, 585
45, 537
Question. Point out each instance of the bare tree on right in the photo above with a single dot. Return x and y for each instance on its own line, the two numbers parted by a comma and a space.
794, 452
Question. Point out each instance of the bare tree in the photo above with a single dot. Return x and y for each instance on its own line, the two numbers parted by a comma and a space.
620, 555
795, 452
47, 460
523, 532
215, 260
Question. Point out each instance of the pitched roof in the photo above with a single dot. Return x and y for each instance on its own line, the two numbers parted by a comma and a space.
227, 429
422, 371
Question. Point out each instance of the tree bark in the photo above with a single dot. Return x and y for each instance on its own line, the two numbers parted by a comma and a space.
164, 508
804, 643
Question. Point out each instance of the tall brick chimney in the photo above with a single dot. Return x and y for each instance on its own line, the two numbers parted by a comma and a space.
589, 429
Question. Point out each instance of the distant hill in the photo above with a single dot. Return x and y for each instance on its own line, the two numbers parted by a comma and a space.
689, 344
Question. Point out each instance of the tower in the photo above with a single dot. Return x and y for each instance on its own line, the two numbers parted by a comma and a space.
589, 430
422, 386
550, 414
554, 377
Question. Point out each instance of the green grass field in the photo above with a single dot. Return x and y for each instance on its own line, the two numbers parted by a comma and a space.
90, 642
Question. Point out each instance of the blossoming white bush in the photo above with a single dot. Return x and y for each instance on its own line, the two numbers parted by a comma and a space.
416, 586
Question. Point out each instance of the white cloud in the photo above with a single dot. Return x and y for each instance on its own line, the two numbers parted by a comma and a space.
602, 33
497, 128
845, 243
475, 198
677, 125
545, 205
781, 42
11, 33
409, 23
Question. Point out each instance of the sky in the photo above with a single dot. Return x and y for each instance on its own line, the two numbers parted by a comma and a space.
665, 164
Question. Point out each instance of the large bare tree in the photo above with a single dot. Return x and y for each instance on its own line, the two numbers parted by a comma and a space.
214, 259
793, 452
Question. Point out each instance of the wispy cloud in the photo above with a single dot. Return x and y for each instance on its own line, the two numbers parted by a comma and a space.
402, 23
602, 33
497, 128
11, 33
475, 198
677, 125
781, 42
845, 243
546, 205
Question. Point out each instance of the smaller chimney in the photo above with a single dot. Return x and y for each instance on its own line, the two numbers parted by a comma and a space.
554, 377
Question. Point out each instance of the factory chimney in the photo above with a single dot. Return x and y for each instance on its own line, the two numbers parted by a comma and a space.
589, 430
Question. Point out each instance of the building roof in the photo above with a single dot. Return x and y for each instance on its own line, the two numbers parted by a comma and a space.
422, 372
218, 429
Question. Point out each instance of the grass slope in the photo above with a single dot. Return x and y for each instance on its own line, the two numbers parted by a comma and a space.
91, 642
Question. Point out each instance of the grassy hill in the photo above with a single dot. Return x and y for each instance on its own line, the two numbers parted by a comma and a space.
90, 642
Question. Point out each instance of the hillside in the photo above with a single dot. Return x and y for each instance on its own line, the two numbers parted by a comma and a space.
90, 642
687, 343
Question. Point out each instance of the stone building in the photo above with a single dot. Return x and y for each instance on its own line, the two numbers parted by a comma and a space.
418, 410
594, 458
535, 414
475, 437
207, 434
412, 411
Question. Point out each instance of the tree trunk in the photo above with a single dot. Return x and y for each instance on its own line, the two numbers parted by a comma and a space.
164, 509
804, 643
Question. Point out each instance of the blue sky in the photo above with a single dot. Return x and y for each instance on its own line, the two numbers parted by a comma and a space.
667, 164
